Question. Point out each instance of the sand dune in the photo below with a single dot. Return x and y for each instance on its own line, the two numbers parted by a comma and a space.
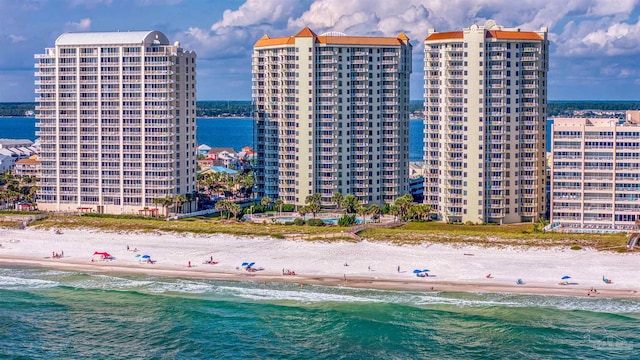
370, 265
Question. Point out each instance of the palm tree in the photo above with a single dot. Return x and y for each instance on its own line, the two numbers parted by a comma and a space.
350, 204
166, 202
374, 211
313, 208
235, 209
221, 206
179, 201
278, 204
403, 203
313, 199
303, 210
362, 211
313, 204
266, 201
337, 199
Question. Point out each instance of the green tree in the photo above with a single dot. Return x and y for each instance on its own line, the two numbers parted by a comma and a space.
337, 199
350, 204
313, 204
278, 204
235, 209
404, 203
266, 202
374, 211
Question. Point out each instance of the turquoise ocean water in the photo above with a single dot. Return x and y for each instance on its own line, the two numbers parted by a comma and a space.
51, 314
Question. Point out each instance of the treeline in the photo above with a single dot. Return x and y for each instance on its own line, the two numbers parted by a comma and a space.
567, 108
242, 108
16, 109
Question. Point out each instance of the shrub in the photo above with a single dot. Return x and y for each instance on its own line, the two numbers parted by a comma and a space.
347, 220
576, 247
288, 208
299, 221
315, 222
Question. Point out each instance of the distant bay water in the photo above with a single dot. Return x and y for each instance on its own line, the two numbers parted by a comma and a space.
218, 132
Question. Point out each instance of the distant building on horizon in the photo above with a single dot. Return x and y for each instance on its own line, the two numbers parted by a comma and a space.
331, 115
117, 122
595, 173
485, 114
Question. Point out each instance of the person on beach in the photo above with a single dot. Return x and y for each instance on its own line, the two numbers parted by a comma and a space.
189, 263
127, 247
398, 268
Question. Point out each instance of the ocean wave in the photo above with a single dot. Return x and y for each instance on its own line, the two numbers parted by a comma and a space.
181, 286
271, 294
21, 283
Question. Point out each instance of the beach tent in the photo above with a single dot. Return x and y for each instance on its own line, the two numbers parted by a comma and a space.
566, 277
101, 255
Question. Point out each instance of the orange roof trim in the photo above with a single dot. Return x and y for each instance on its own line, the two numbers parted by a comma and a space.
306, 32
513, 35
333, 40
290, 40
403, 36
359, 40
448, 35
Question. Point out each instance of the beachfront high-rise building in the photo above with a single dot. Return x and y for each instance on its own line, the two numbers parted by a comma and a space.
117, 125
595, 173
485, 93
332, 115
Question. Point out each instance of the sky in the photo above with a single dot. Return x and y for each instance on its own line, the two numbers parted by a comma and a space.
595, 44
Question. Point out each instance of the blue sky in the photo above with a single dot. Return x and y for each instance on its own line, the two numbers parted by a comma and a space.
595, 44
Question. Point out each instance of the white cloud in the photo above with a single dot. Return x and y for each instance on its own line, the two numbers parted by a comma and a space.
82, 25
17, 38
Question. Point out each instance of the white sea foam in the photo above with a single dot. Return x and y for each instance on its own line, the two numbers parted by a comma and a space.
180, 286
302, 295
107, 282
20, 283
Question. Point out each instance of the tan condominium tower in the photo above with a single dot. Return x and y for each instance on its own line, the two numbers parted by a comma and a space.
485, 113
116, 115
332, 116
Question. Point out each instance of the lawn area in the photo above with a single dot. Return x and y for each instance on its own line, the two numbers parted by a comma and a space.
198, 225
521, 235
490, 235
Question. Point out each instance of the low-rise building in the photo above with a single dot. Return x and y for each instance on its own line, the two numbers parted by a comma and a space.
595, 173
10, 143
6, 163
28, 167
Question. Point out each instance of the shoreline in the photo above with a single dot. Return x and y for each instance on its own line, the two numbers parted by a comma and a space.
370, 265
355, 282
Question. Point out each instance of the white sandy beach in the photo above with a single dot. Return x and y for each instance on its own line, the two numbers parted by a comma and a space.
370, 265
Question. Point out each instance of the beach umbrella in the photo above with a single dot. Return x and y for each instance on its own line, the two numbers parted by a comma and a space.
146, 257
425, 270
245, 263
250, 264
566, 277
417, 271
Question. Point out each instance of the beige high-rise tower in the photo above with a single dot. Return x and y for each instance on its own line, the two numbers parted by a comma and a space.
485, 114
116, 114
332, 115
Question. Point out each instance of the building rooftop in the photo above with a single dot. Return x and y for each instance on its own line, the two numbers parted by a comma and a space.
113, 38
14, 142
334, 39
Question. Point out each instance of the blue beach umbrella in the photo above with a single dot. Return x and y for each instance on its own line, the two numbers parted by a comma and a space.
245, 263
566, 277
417, 271
146, 256
425, 270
